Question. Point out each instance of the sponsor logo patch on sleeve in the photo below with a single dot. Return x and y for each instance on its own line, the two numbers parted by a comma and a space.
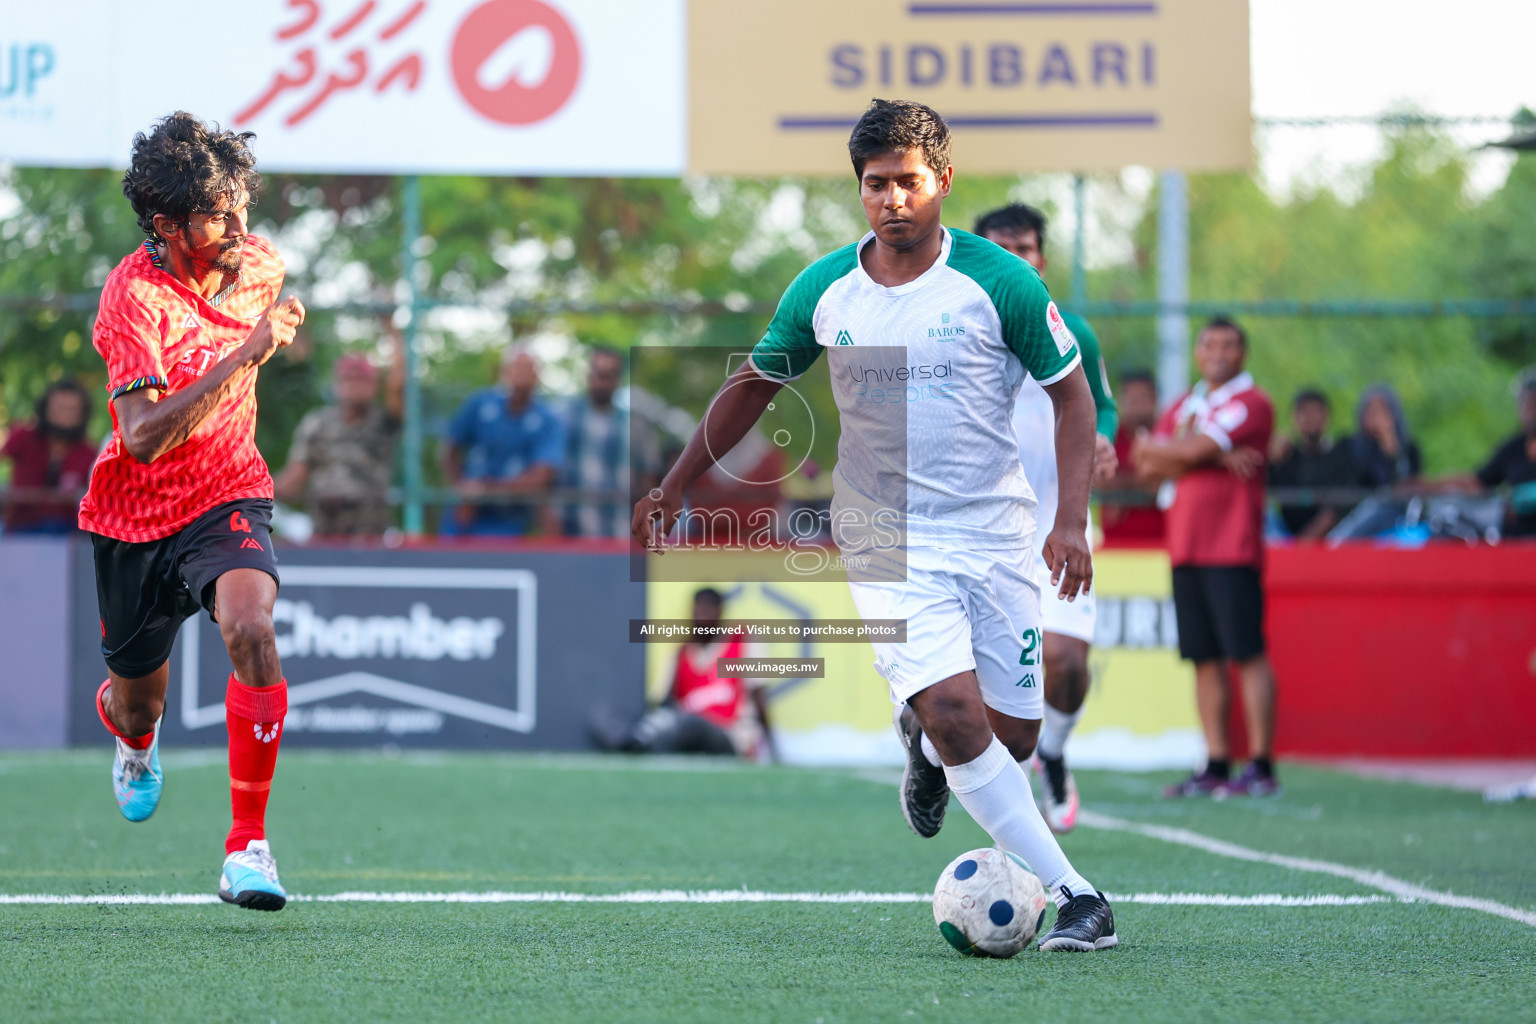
1230, 416
1061, 334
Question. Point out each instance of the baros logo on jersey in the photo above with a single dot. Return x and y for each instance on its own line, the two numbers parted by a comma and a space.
445, 653
946, 331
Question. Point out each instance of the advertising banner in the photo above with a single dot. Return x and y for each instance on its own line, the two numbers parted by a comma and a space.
416, 648
370, 86
1076, 85
1141, 705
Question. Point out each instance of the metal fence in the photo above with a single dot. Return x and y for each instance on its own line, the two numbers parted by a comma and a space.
1146, 252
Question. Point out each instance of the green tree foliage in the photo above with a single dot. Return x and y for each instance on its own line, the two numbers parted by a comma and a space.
662, 262
68, 229
1410, 235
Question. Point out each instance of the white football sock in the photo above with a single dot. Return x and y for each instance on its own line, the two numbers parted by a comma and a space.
1055, 729
931, 752
995, 792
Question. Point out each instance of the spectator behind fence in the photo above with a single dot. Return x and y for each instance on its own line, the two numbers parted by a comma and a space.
1138, 519
504, 442
1211, 445
1514, 463
597, 450
343, 454
51, 454
1382, 449
704, 712
1310, 459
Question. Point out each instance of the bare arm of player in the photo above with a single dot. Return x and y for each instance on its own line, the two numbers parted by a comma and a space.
1066, 547
1105, 461
735, 408
151, 428
1160, 458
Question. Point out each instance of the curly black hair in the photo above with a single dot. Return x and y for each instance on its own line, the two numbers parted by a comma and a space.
184, 166
896, 126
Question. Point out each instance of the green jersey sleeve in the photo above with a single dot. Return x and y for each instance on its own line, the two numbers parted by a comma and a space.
789, 347
1032, 326
1098, 375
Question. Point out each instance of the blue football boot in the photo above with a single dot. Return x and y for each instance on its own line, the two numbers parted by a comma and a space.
136, 778
250, 878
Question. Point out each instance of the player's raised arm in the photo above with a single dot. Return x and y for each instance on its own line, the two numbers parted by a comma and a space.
738, 405
151, 428
1066, 549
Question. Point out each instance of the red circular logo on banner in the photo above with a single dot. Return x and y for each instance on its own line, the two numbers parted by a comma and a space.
512, 41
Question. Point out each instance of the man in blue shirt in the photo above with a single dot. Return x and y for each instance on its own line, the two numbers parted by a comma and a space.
503, 442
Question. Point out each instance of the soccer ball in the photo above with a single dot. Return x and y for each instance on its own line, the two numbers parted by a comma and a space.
987, 903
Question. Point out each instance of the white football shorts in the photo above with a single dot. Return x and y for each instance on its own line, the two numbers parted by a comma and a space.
964, 611
1067, 618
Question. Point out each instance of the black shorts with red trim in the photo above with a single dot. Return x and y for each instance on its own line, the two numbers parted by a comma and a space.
146, 591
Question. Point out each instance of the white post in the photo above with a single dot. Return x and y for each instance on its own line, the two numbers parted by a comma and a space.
1172, 286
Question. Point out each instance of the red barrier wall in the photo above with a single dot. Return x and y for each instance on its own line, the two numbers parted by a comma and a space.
1384, 652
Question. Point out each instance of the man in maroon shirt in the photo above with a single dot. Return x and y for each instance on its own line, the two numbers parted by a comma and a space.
1132, 522
1209, 448
50, 462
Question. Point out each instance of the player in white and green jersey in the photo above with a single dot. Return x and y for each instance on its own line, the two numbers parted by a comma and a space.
929, 333
1020, 229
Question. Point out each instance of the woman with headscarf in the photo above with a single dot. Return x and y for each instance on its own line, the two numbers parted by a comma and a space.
1384, 453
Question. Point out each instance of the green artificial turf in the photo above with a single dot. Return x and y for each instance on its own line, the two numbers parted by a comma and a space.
529, 824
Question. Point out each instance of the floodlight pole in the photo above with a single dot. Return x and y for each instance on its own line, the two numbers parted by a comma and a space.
1079, 293
410, 216
1172, 286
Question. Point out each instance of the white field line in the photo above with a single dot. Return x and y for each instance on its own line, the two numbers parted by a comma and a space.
1374, 879
677, 896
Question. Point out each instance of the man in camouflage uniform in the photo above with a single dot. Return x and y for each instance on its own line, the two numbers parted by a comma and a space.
343, 455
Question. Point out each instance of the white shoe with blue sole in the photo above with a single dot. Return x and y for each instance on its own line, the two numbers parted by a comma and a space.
137, 780
250, 879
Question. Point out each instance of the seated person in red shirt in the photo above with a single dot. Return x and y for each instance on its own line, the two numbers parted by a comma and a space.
50, 455
1216, 545
1142, 521
704, 713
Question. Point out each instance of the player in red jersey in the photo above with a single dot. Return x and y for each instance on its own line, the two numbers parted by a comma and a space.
180, 500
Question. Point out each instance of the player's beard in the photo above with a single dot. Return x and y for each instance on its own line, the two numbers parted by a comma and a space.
230, 255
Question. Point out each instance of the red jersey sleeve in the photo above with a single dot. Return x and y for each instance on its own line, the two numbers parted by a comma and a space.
1243, 422
130, 337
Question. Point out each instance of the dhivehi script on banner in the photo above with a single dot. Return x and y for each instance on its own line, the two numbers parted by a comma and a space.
376, 86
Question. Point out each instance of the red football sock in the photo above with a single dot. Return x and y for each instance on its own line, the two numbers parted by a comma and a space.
136, 742
254, 717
